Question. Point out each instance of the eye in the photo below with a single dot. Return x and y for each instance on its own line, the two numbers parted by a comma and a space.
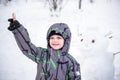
93, 41
81, 40
59, 37
51, 37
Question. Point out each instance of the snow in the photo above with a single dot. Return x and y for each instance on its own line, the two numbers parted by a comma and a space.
36, 17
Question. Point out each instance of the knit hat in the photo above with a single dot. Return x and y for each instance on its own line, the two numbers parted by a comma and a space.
54, 33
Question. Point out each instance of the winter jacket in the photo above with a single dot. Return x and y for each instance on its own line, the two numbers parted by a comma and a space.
51, 64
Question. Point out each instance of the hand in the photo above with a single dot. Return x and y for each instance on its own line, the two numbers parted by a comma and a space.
13, 16
14, 24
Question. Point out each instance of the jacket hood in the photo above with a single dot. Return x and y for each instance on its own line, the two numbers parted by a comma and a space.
64, 31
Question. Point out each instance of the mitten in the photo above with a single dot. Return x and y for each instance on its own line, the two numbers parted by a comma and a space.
13, 24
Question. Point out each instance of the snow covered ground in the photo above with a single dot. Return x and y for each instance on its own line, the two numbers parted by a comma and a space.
36, 17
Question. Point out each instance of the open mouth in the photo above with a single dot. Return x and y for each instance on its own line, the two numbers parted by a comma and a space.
55, 44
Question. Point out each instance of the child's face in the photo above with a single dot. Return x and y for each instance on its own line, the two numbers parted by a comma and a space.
56, 42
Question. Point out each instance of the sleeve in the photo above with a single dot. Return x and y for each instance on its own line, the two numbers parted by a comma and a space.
77, 72
74, 69
22, 38
74, 72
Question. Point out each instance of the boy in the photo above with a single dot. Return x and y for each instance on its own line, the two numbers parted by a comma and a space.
53, 63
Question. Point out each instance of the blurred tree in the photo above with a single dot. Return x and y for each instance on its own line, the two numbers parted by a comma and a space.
80, 4
91, 1
55, 6
4, 2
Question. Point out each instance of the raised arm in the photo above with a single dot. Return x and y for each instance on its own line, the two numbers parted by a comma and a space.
22, 38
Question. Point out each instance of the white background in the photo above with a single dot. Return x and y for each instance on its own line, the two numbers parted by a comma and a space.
36, 17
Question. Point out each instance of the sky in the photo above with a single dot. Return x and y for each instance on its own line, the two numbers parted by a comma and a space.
36, 17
